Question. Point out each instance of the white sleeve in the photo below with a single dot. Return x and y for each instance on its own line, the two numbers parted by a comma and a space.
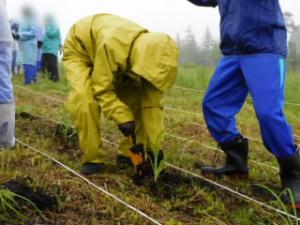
5, 34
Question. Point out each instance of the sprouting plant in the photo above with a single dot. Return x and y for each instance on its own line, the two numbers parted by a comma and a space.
281, 204
9, 206
158, 166
64, 126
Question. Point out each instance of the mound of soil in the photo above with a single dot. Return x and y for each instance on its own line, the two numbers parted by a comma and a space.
41, 199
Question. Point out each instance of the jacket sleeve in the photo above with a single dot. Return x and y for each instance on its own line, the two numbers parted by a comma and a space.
104, 92
211, 3
26, 35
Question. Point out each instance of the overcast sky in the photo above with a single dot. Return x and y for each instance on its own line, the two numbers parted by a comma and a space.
170, 16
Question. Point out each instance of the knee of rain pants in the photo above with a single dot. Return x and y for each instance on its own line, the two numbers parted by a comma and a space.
7, 125
266, 84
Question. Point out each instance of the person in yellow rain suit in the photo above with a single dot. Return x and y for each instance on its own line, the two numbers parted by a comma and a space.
119, 68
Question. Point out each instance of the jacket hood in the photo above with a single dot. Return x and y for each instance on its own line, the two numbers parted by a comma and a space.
154, 57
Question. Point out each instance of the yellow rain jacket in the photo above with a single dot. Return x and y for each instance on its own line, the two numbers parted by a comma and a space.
116, 67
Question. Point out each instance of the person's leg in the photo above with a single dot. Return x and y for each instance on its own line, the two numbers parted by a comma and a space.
129, 93
27, 75
53, 68
152, 116
43, 63
14, 60
48, 65
265, 77
7, 106
33, 71
85, 113
225, 97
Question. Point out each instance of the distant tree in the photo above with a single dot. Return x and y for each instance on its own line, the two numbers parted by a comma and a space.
289, 20
210, 52
294, 41
189, 48
208, 40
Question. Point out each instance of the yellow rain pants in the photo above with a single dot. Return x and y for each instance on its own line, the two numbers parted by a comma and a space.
116, 67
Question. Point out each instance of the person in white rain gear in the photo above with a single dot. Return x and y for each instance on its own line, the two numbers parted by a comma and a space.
7, 105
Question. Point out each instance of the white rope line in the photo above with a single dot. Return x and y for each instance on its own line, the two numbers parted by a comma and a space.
90, 182
167, 108
188, 89
235, 193
199, 91
199, 114
218, 150
40, 94
243, 196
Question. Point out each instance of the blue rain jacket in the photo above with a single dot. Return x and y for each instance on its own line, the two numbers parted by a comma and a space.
28, 42
250, 26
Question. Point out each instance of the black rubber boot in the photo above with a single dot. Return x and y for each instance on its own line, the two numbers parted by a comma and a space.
290, 177
124, 161
91, 168
236, 159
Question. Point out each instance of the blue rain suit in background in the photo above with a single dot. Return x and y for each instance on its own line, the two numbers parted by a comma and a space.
7, 106
254, 44
28, 48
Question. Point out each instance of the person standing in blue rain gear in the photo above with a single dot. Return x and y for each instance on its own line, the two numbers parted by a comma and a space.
27, 37
254, 45
7, 105
51, 48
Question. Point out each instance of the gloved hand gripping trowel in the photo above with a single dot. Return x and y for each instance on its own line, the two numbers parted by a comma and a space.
137, 155
137, 152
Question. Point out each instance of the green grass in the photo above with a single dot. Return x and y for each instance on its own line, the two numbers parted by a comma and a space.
192, 203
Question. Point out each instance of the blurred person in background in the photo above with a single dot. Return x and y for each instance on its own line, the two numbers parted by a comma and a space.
14, 29
51, 48
7, 106
27, 37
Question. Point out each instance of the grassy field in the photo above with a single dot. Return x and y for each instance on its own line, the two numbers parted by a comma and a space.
175, 199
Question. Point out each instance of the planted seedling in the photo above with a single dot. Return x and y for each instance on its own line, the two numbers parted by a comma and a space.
11, 209
287, 193
156, 161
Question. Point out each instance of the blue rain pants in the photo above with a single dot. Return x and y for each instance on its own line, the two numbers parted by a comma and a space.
263, 76
30, 73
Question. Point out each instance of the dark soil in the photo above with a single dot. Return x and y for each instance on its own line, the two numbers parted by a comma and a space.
41, 199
